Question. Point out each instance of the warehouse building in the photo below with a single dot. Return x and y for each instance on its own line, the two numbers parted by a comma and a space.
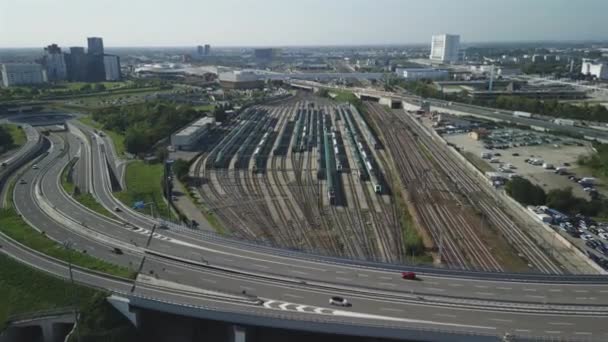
413, 74
188, 137
14, 74
241, 80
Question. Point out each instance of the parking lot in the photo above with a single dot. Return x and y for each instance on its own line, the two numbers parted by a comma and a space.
550, 151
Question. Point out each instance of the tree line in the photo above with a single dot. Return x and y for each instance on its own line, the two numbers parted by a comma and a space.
144, 124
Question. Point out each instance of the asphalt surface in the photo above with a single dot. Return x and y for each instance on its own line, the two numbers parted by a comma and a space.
290, 284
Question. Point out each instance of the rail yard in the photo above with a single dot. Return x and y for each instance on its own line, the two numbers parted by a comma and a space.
303, 175
311, 174
469, 227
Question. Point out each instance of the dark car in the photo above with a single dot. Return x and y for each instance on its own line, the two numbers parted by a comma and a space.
117, 250
339, 301
408, 275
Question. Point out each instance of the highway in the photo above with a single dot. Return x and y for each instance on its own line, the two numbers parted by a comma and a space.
294, 286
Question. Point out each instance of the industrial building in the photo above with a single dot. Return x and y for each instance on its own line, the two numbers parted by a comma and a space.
241, 80
187, 138
22, 74
444, 48
595, 68
412, 74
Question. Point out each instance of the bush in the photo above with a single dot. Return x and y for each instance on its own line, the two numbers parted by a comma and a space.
524, 192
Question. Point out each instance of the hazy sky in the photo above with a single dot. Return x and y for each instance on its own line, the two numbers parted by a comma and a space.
34, 23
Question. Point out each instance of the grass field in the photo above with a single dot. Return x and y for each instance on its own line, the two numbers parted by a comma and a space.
25, 290
117, 138
144, 184
14, 226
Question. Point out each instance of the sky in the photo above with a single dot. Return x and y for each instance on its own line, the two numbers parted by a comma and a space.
35, 23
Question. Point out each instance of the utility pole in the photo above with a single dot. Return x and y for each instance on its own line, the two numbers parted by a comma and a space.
68, 247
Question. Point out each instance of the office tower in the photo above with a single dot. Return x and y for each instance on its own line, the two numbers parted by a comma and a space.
112, 67
444, 48
95, 46
54, 63
207, 49
77, 64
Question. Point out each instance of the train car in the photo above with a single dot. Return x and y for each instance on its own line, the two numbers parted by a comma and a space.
330, 170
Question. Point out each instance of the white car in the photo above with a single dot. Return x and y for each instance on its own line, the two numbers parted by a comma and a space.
586, 237
603, 236
338, 301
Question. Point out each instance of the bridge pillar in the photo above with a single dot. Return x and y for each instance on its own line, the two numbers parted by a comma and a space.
238, 333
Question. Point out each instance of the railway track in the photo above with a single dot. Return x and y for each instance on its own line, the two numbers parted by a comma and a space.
450, 229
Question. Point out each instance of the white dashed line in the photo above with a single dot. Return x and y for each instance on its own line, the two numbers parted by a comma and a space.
481, 286
582, 333
445, 315
343, 279
503, 288
530, 290
501, 320
386, 284
260, 266
485, 293
559, 323
553, 331
522, 330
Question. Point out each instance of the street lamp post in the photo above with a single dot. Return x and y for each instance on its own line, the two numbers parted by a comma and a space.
68, 247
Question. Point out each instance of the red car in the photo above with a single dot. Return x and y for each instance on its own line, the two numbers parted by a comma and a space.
408, 275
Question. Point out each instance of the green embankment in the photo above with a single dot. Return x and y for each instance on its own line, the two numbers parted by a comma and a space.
144, 184
117, 138
17, 133
15, 227
85, 199
23, 290
26, 291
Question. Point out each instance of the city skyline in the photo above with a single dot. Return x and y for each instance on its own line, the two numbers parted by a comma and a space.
277, 23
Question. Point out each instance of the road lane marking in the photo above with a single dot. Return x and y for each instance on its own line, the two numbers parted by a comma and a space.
445, 315
485, 293
247, 288
292, 295
386, 284
344, 279
555, 290
501, 320
363, 275
581, 291
582, 333
341, 272
386, 278
522, 330
209, 280
504, 288
298, 272
560, 323
259, 266
481, 286
553, 331
456, 285
529, 290
539, 297
431, 282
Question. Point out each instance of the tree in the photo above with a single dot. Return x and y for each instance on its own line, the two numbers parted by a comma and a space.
6, 139
100, 87
86, 88
524, 192
181, 169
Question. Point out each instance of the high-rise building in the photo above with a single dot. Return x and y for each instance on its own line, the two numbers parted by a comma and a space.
95, 46
200, 50
594, 68
207, 49
444, 48
95, 62
54, 62
77, 64
22, 74
95, 68
111, 65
